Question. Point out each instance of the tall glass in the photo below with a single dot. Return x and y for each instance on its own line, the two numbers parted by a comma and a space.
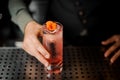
53, 42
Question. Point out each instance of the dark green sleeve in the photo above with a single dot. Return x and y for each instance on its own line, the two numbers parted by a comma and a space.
19, 13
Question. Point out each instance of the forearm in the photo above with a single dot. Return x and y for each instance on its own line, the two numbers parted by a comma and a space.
19, 13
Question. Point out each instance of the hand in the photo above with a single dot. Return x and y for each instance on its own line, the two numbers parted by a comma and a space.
31, 43
116, 44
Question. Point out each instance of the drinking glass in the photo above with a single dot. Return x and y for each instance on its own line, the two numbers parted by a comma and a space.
53, 43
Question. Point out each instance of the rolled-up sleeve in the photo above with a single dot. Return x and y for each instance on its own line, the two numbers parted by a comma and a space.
19, 13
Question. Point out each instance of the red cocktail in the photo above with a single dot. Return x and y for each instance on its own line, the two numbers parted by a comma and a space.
53, 42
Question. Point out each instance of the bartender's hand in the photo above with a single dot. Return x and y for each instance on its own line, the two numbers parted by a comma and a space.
31, 43
115, 46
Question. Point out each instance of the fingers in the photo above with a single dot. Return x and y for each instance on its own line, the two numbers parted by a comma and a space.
111, 49
34, 48
108, 41
41, 58
112, 60
31, 43
40, 48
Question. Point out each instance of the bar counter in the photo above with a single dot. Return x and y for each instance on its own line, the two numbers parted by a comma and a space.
79, 63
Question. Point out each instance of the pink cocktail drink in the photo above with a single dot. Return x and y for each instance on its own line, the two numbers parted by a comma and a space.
53, 42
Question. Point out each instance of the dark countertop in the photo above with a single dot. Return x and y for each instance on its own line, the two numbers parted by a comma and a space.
79, 63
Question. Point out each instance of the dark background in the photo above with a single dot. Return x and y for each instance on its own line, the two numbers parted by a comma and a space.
109, 16
9, 32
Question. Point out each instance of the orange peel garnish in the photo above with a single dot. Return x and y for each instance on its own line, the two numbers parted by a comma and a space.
51, 25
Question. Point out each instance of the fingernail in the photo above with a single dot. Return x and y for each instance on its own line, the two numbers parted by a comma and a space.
111, 61
103, 42
49, 67
47, 56
105, 55
46, 64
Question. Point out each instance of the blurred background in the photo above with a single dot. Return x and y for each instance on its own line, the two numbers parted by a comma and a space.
9, 32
